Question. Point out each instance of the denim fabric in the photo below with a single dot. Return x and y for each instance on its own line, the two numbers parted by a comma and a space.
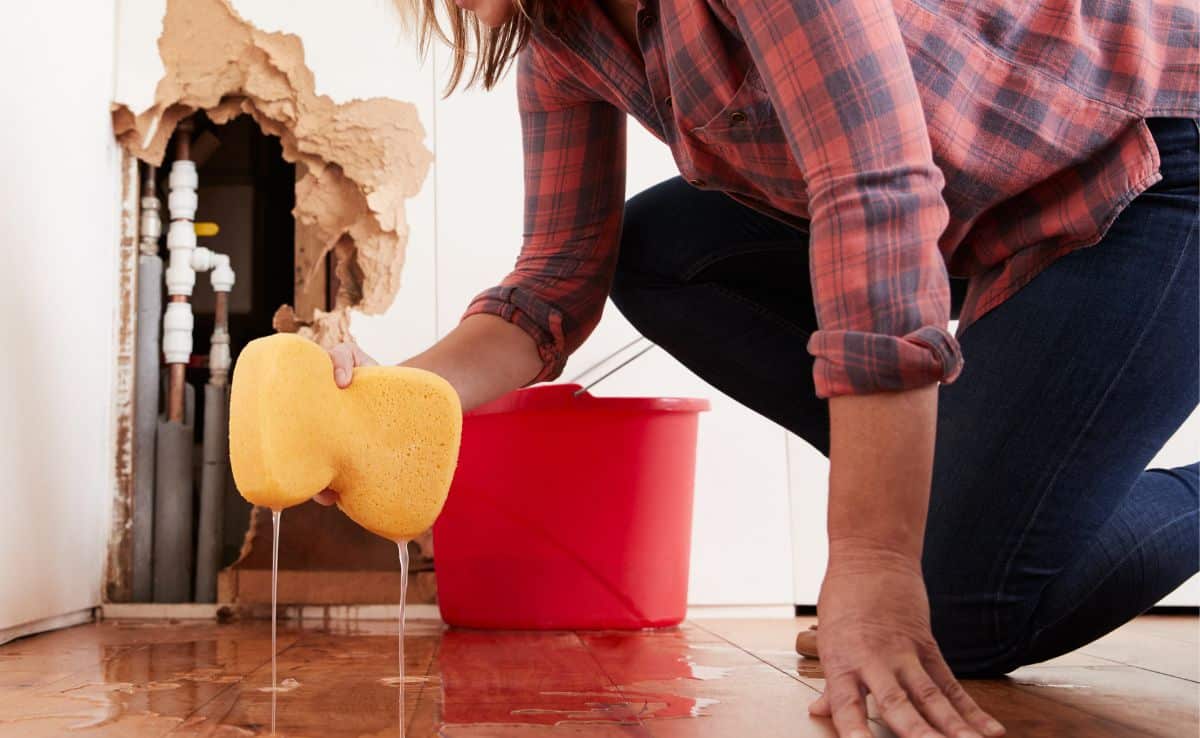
1045, 529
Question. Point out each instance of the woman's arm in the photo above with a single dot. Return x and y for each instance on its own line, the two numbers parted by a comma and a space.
839, 77
483, 358
881, 453
875, 626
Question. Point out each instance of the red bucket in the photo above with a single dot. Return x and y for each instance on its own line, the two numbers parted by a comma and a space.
569, 511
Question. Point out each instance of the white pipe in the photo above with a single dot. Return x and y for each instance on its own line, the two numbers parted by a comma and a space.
180, 277
222, 278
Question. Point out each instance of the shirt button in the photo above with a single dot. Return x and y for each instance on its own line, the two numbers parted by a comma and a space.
667, 101
647, 21
737, 117
696, 182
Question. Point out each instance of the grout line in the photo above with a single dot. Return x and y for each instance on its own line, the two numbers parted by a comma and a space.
642, 728
742, 648
241, 682
1084, 650
1046, 696
433, 654
1140, 668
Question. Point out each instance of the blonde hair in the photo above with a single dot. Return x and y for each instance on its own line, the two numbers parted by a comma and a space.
490, 50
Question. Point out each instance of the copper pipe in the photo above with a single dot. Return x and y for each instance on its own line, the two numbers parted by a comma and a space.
148, 188
175, 384
177, 379
221, 320
183, 138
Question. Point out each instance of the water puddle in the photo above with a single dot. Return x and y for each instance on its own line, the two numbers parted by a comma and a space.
287, 685
275, 519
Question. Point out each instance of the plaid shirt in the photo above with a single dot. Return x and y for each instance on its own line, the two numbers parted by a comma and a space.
909, 138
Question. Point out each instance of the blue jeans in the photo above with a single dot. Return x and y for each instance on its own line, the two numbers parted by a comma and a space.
1045, 530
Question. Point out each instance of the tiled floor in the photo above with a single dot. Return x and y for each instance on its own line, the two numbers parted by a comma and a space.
726, 678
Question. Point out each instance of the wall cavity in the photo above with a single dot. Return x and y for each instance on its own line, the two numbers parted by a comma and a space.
357, 161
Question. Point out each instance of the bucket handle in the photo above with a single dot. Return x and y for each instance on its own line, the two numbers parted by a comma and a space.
605, 360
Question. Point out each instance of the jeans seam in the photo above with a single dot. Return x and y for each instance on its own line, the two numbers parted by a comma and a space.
1069, 455
764, 312
687, 275
1141, 545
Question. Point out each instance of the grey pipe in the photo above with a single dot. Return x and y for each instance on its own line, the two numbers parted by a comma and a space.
145, 422
213, 472
174, 548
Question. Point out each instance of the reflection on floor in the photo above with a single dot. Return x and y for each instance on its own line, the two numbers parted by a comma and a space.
721, 678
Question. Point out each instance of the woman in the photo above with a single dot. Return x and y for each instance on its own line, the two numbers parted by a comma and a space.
839, 159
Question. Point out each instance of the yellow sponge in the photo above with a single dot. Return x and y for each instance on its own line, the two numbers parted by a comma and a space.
387, 444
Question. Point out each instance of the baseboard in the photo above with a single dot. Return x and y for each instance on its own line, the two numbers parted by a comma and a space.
702, 612
42, 625
213, 611
810, 610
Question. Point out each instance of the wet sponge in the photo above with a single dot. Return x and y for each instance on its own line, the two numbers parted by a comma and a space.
387, 444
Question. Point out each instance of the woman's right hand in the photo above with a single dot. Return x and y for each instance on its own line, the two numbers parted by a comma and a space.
345, 356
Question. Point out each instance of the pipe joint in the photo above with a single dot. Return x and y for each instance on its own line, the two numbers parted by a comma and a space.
222, 276
219, 356
177, 332
181, 235
182, 199
151, 226
203, 259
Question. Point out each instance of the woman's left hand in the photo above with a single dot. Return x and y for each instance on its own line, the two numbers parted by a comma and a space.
875, 637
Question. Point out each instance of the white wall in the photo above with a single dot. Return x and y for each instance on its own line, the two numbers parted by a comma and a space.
60, 220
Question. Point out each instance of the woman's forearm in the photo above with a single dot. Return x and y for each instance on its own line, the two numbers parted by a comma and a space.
881, 462
482, 358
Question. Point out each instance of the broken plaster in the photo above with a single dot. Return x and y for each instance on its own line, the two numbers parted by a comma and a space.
360, 159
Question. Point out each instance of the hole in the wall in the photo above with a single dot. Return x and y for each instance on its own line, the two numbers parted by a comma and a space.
248, 190
356, 162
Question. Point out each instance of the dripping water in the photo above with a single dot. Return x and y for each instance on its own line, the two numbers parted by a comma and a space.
403, 549
275, 517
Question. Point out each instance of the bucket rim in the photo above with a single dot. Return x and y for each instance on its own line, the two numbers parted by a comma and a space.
573, 397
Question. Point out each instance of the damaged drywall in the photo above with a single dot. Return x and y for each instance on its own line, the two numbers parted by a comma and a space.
359, 160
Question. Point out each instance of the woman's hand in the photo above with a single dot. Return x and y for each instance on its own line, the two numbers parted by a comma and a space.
875, 637
345, 356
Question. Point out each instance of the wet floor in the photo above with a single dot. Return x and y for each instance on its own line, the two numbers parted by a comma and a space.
726, 678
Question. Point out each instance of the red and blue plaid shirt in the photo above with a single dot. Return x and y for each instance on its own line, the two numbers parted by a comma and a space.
910, 138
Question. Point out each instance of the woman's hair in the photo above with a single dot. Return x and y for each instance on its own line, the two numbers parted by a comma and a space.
490, 50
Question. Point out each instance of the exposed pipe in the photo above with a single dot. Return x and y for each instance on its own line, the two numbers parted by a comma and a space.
146, 381
175, 556
215, 470
180, 277
174, 548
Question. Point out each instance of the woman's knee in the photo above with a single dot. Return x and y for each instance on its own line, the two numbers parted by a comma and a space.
645, 257
982, 630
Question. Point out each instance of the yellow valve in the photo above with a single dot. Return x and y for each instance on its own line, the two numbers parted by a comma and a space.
206, 229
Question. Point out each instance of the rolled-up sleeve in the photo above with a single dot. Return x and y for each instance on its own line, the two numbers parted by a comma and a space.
838, 74
574, 153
